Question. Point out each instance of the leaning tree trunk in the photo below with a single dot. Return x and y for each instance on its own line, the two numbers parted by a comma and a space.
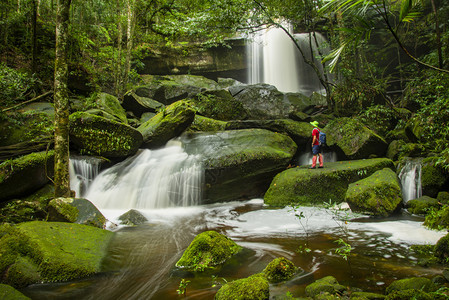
61, 99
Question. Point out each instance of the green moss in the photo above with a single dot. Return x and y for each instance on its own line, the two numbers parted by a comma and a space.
443, 197
422, 205
111, 105
280, 269
410, 294
415, 283
219, 105
255, 287
303, 186
367, 296
437, 219
201, 123
433, 177
326, 284
442, 249
9, 293
208, 250
378, 194
62, 211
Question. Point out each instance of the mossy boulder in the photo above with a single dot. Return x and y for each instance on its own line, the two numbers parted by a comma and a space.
326, 284
140, 105
413, 283
40, 251
255, 287
422, 205
279, 269
209, 249
394, 149
303, 186
354, 139
7, 292
111, 105
98, 136
433, 178
132, 218
300, 132
25, 174
378, 194
438, 219
414, 129
443, 197
442, 248
411, 294
219, 105
239, 164
366, 296
75, 210
167, 124
201, 123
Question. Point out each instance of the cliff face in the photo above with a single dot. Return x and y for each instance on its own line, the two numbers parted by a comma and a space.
221, 61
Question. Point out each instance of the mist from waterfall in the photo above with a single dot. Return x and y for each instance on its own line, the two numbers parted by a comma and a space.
273, 58
410, 176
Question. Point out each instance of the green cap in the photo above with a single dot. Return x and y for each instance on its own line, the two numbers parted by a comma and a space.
314, 123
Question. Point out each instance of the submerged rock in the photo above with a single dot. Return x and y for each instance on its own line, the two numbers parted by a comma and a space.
132, 217
167, 124
207, 250
39, 251
280, 269
378, 194
25, 174
75, 210
254, 287
239, 164
303, 186
95, 135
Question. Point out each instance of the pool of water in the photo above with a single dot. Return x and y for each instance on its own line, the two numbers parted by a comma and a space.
140, 260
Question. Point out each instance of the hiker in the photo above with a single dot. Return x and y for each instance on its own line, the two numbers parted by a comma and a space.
316, 146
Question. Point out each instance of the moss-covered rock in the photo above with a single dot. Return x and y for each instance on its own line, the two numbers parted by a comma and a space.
207, 250
25, 174
422, 205
410, 294
443, 197
140, 105
7, 292
300, 132
239, 164
279, 269
366, 296
326, 284
354, 139
394, 149
111, 105
413, 283
414, 129
255, 287
50, 251
303, 186
442, 248
433, 177
95, 135
132, 217
412, 150
75, 210
219, 105
167, 124
378, 194
201, 123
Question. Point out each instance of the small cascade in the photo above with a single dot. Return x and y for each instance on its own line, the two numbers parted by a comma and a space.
162, 178
83, 170
410, 176
273, 58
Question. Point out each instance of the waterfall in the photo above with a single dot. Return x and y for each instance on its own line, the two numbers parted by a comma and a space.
150, 179
83, 170
410, 176
274, 59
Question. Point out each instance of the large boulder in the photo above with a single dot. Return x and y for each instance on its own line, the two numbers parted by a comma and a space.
167, 124
112, 106
140, 105
75, 210
25, 174
219, 105
255, 287
209, 249
303, 186
413, 283
422, 205
354, 139
39, 251
239, 164
378, 194
433, 177
95, 135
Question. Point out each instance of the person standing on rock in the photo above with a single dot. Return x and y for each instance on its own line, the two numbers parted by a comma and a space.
316, 147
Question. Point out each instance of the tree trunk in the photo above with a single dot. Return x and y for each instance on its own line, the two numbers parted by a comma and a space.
119, 70
34, 37
61, 101
129, 39
438, 34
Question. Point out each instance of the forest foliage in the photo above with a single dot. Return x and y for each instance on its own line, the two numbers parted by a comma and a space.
396, 49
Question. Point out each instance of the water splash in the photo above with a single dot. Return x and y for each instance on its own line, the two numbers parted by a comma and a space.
83, 170
410, 176
162, 178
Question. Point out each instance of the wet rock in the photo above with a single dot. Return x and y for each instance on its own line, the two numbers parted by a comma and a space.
75, 210
132, 217
303, 186
95, 135
140, 105
201, 123
253, 287
207, 250
167, 124
279, 269
378, 194
26, 174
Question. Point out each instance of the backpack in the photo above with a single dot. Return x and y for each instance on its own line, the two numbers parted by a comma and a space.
322, 139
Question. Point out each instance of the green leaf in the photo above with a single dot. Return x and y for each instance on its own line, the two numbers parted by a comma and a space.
333, 57
406, 5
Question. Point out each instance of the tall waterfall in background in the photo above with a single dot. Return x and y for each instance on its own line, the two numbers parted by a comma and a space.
83, 170
410, 176
274, 59
167, 177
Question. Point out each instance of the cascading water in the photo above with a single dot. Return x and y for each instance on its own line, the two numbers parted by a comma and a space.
410, 176
83, 170
162, 178
274, 59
